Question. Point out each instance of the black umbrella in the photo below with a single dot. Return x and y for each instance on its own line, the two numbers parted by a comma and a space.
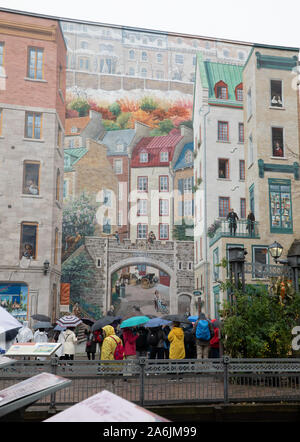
88, 321
176, 318
42, 318
106, 320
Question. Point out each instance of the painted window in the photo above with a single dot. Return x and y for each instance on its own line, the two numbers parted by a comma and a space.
66, 188
239, 92
28, 243
242, 170
221, 91
131, 55
159, 75
277, 142
164, 231
144, 72
35, 69
241, 132
118, 166
144, 56
164, 157
142, 230
143, 157
223, 131
164, 183
179, 59
33, 125
251, 198
159, 58
142, 183
223, 168
243, 208
142, 207
163, 207
31, 178
276, 93
188, 157
107, 197
84, 45
188, 208
224, 203
281, 220
131, 71
260, 258
188, 185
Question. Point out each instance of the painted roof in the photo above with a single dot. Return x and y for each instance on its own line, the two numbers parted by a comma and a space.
71, 156
79, 123
212, 73
115, 138
181, 162
154, 146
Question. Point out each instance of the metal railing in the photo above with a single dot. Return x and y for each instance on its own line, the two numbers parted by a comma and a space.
243, 230
154, 382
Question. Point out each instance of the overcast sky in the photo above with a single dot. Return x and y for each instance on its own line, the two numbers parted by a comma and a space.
257, 21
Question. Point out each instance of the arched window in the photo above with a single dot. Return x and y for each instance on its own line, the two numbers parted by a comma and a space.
239, 92
221, 90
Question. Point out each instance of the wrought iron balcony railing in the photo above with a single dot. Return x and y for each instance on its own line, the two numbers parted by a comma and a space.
223, 228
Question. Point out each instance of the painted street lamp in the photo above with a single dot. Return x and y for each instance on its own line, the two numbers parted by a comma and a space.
292, 261
275, 251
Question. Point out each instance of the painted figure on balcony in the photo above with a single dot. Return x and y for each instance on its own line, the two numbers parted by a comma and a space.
232, 219
250, 223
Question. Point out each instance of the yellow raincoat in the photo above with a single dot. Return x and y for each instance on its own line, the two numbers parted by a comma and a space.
109, 344
176, 338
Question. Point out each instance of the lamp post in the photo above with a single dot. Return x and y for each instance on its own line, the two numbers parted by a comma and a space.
236, 258
292, 261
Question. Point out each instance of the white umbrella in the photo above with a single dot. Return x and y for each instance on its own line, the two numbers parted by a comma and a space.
7, 321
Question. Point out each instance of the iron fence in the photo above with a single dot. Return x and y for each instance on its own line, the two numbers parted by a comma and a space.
154, 382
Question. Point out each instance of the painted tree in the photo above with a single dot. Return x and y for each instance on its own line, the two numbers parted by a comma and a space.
78, 221
81, 106
164, 128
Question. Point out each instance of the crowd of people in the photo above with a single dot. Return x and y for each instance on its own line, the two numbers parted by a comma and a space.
177, 341
198, 340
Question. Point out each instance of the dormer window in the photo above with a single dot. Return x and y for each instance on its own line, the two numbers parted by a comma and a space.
120, 147
221, 91
74, 130
143, 157
164, 157
239, 92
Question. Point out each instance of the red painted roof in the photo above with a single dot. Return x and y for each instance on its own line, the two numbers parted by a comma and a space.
153, 146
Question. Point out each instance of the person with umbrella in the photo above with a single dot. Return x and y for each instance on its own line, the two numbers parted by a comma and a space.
176, 339
69, 340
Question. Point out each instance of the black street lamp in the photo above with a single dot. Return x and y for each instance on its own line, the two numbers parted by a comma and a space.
275, 251
236, 258
292, 261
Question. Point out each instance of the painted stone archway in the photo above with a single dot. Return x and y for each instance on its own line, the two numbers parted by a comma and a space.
172, 257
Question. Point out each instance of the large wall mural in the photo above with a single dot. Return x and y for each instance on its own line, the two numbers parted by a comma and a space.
139, 84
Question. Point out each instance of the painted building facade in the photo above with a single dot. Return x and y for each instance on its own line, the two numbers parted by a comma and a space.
33, 54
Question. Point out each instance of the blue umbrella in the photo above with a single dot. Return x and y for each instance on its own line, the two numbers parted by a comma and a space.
193, 318
157, 322
134, 321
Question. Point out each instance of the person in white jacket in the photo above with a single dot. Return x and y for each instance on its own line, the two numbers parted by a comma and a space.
69, 340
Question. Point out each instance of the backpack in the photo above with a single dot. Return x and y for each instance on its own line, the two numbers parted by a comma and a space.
153, 339
119, 350
202, 330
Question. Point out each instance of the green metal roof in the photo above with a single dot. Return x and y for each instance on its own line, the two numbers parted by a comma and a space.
213, 72
72, 156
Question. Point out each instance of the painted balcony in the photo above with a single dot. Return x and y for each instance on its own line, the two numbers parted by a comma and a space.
222, 229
